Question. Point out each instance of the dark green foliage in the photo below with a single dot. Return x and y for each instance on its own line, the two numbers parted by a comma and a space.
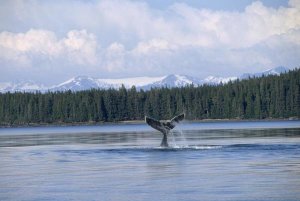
255, 98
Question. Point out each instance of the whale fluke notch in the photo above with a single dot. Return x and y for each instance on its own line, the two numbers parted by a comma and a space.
164, 126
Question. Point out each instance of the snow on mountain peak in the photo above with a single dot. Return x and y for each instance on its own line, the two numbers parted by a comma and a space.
21, 86
183, 80
173, 80
76, 84
273, 71
80, 83
129, 82
218, 80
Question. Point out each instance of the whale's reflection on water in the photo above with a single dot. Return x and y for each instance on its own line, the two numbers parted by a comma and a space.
222, 164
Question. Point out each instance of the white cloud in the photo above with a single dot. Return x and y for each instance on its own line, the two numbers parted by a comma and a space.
152, 46
39, 41
208, 28
114, 57
139, 40
294, 3
79, 46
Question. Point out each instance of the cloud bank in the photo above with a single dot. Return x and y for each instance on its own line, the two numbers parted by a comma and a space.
49, 42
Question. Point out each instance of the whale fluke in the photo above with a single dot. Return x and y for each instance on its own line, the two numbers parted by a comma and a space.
164, 126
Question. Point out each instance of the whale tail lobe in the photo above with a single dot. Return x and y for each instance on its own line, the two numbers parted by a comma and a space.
164, 126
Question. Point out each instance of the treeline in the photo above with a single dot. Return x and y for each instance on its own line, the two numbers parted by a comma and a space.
254, 98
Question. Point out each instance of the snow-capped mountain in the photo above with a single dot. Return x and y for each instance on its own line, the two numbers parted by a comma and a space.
273, 71
84, 82
80, 83
171, 81
138, 82
212, 80
145, 83
29, 86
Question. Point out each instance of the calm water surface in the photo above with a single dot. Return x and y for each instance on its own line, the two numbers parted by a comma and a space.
206, 161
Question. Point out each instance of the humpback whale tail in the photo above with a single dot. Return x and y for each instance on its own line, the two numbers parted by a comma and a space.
164, 126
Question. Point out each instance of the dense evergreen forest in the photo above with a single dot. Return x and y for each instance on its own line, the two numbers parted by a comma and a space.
254, 98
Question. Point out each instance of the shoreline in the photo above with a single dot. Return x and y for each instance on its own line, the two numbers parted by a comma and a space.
63, 124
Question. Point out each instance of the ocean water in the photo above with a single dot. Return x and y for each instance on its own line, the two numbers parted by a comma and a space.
205, 161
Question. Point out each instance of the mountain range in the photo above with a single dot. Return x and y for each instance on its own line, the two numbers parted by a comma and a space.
84, 82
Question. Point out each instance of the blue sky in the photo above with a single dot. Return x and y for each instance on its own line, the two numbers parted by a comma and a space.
51, 41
